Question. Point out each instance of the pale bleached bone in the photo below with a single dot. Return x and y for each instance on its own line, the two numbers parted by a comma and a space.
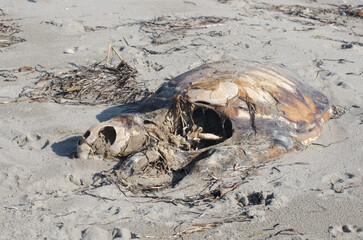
209, 136
119, 136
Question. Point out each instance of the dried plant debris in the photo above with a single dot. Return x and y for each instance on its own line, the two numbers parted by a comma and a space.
348, 10
52, 23
198, 227
92, 29
330, 15
7, 32
96, 84
168, 30
86, 28
8, 75
223, 1
13, 28
6, 41
341, 61
170, 24
211, 189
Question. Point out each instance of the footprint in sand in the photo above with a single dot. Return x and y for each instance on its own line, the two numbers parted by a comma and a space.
95, 232
342, 182
256, 203
260, 198
31, 141
346, 232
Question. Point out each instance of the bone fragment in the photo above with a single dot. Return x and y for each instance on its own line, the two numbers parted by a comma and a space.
209, 136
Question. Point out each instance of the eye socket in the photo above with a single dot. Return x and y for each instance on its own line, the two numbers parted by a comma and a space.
109, 133
209, 120
212, 122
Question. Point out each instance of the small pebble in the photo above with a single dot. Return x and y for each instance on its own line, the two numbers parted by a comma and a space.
347, 228
68, 51
346, 46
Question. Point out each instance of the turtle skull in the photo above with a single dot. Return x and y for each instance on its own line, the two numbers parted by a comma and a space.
119, 136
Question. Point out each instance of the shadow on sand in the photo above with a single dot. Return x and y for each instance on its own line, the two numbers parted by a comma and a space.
67, 147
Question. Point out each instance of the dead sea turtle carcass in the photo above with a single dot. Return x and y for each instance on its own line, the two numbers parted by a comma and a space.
254, 112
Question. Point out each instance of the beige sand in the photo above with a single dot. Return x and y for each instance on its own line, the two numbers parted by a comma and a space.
313, 194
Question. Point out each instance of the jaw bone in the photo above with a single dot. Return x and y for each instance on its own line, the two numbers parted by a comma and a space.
263, 111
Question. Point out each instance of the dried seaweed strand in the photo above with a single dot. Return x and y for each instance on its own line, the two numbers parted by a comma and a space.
169, 24
96, 84
200, 227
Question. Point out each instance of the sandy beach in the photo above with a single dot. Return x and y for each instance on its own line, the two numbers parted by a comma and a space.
48, 194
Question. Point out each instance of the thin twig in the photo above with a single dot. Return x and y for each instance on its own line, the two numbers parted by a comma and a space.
108, 52
119, 56
104, 223
200, 227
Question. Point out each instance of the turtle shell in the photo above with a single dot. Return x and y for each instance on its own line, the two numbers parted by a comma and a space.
257, 112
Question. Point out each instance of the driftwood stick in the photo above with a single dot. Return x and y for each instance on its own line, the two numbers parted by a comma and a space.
119, 56
110, 46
